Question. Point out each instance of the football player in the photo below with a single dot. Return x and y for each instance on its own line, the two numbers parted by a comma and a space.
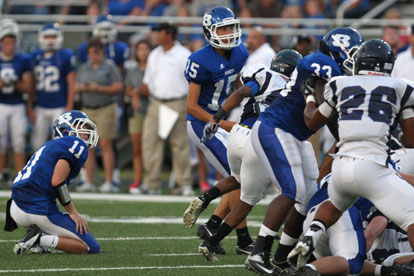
259, 89
105, 28
367, 104
279, 138
212, 72
44, 179
15, 80
54, 71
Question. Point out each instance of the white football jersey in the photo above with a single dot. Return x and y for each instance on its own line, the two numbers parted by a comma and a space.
367, 107
267, 79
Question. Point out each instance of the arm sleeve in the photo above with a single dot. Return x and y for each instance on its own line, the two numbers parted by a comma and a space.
254, 86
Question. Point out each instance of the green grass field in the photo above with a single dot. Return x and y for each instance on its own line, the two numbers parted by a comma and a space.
137, 238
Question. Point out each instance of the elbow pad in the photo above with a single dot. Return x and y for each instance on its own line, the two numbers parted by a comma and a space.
62, 193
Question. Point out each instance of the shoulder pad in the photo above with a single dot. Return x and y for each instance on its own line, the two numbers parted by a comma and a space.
254, 72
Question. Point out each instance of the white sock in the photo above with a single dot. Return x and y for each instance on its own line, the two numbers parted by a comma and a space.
49, 241
285, 239
378, 270
312, 267
265, 231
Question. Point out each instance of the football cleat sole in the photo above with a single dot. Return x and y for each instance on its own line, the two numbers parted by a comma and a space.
193, 212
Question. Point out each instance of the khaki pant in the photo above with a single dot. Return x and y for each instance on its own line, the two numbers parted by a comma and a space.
153, 145
105, 119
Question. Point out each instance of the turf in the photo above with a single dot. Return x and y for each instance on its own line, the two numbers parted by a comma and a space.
133, 255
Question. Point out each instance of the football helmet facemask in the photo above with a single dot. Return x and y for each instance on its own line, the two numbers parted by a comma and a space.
340, 43
50, 30
105, 29
76, 123
285, 62
374, 57
216, 18
9, 27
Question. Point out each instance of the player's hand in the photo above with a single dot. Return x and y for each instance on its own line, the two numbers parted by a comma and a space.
81, 224
209, 130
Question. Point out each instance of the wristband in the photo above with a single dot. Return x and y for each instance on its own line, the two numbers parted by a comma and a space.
219, 115
310, 98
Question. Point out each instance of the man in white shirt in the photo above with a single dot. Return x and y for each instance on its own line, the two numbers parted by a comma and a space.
167, 88
260, 51
404, 64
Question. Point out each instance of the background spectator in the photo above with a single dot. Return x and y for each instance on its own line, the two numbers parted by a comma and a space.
391, 34
165, 83
137, 108
260, 51
404, 64
98, 80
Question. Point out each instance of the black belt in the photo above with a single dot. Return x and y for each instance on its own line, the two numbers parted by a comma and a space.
97, 106
168, 100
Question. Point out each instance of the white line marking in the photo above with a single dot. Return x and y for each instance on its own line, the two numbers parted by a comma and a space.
146, 220
138, 198
139, 238
173, 254
118, 268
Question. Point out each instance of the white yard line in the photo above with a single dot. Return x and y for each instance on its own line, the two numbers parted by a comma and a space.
146, 220
139, 238
118, 268
136, 198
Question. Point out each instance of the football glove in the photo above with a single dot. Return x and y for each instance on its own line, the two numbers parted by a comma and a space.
209, 130
309, 87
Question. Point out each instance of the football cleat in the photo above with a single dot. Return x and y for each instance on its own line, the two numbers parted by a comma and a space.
306, 271
31, 239
398, 270
299, 256
245, 250
37, 249
260, 263
208, 251
204, 232
192, 213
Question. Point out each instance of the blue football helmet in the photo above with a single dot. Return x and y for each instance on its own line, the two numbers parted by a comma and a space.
76, 123
49, 30
341, 43
216, 18
104, 28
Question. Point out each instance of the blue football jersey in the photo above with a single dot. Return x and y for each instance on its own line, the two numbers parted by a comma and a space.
32, 189
215, 74
12, 70
264, 84
117, 51
50, 74
286, 111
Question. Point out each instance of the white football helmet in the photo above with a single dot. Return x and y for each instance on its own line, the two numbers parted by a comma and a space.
105, 29
9, 27
51, 44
